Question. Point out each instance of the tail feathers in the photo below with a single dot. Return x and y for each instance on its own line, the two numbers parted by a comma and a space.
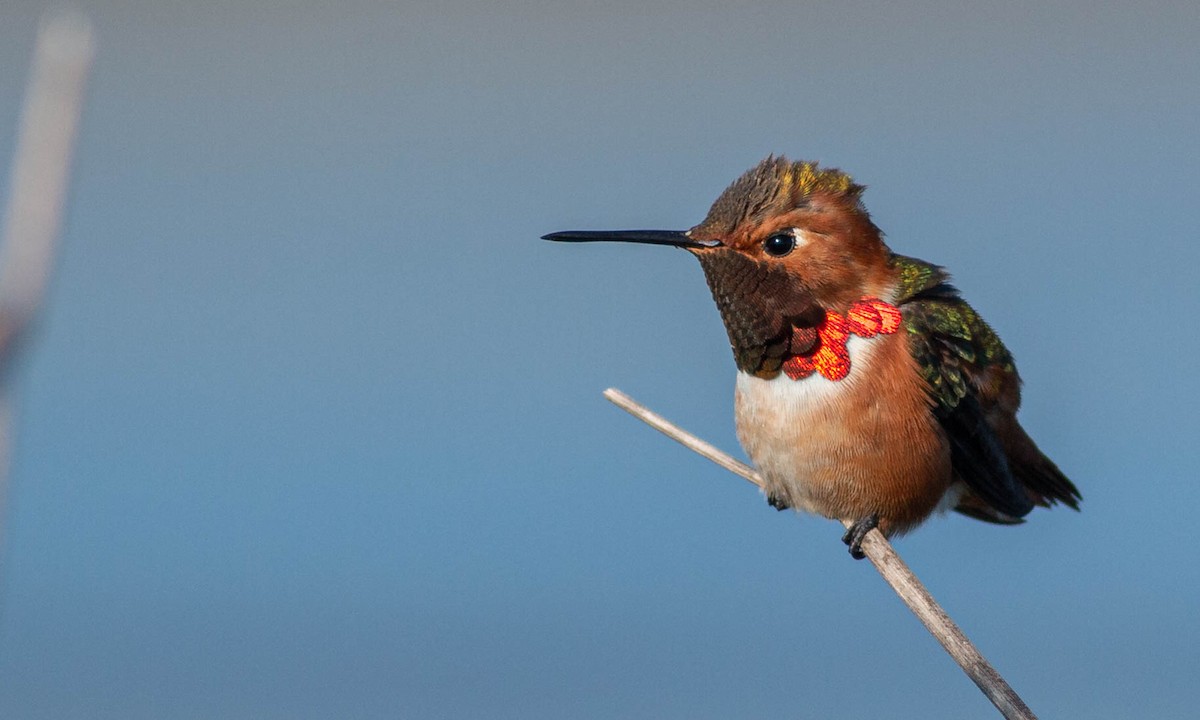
1047, 485
973, 507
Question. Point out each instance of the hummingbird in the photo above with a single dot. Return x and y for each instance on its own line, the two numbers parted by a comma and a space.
868, 390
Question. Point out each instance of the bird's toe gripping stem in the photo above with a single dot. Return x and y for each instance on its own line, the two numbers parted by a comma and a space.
857, 531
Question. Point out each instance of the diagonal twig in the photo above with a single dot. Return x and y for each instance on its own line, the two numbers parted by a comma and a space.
37, 193
880, 552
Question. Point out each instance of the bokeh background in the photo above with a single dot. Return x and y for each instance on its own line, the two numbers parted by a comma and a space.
313, 428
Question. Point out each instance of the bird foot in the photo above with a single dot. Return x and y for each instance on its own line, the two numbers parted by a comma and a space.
856, 532
777, 502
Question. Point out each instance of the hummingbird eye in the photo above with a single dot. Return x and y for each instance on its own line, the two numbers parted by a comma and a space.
780, 244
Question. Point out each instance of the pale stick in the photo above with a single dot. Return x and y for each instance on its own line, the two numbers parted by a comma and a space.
880, 552
37, 193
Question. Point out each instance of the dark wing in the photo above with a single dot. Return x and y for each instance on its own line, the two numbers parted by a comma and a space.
965, 366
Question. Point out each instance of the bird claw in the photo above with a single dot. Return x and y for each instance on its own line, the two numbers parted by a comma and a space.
777, 502
857, 531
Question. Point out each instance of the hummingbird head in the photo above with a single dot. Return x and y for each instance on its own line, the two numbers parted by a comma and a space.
783, 245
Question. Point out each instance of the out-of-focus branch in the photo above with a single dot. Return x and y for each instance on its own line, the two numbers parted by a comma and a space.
37, 192
38, 184
880, 552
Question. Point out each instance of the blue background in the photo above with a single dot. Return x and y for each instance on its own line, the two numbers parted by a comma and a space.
313, 428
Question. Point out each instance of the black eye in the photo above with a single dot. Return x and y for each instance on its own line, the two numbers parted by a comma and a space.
780, 244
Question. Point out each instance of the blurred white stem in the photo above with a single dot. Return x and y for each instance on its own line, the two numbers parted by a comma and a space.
37, 193
38, 185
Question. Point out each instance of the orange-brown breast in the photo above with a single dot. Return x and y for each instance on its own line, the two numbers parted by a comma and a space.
845, 449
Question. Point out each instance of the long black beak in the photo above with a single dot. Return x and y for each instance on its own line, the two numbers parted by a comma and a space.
675, 238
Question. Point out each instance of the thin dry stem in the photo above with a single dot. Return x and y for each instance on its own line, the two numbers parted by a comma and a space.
37, 192
43, 156
880, 552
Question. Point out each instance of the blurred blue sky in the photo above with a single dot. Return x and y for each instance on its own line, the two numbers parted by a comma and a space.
313, 424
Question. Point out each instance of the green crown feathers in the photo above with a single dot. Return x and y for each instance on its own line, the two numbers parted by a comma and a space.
778, 184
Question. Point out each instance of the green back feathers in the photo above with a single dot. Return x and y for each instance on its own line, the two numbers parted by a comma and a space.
947, 337
916, 276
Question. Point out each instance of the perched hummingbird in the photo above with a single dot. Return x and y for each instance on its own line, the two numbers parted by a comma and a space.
868, 390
